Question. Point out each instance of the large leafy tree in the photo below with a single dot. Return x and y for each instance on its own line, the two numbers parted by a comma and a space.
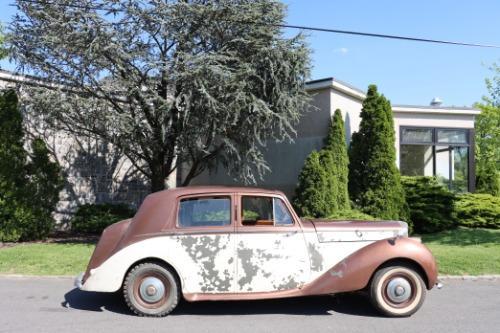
374, 180
202, 82
488, 138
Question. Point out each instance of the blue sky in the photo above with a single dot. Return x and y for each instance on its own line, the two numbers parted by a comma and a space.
406, 72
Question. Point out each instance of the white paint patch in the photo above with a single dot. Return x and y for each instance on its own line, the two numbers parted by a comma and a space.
270, 262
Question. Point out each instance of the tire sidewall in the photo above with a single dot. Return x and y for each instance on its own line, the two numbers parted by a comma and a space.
171, 287
377, 291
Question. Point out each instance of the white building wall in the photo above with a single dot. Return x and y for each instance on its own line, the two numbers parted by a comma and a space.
436, 118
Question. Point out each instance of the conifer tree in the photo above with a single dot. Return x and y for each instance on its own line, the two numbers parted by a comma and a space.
338, 173
29, 182
322, 189
12, 153
310, 193
374, 180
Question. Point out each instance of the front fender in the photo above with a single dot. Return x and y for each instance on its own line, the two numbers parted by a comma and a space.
354, 272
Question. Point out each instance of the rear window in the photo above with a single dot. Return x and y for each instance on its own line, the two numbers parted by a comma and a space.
205, 212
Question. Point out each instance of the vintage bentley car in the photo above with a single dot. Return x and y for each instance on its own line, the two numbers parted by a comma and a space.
229, 243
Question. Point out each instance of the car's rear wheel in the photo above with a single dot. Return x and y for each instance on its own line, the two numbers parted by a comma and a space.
151, 290
397, 291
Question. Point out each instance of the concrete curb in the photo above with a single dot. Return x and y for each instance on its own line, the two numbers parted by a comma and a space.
469, 277
440, 277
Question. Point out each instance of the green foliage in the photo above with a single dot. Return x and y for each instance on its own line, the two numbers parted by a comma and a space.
12, 153
487, 127
350, 214
44, 176
322, 188
337, 168
477, 210
29, 182
94, 218
431, 204
374, 180
3, 49
310, 198
196, 83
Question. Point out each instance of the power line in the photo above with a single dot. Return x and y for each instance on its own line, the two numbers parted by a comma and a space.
369, 34
289, 26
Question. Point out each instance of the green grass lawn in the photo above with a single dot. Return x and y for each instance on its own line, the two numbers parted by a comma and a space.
460, 251
466, 251
45, 258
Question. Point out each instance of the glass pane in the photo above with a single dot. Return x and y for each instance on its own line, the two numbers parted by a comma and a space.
452, 136
460, 171
281, 214
204, 212
416, 160
443, 164
257, 211
416, 135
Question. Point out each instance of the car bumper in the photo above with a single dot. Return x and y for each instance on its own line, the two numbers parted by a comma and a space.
79, 281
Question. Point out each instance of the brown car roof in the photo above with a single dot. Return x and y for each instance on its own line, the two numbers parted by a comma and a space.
158, 211
180, 191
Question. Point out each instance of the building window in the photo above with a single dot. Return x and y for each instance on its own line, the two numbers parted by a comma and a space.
441, 152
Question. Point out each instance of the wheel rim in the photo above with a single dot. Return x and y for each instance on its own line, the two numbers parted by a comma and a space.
151, 290
399, 290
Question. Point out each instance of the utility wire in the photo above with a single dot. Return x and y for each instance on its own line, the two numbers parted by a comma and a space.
369, 34
289, 26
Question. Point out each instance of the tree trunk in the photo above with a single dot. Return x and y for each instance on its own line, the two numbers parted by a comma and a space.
158, 175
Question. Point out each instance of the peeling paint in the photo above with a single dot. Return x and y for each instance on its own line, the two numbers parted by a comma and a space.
250, 269
203, 251
340, 272
316, 258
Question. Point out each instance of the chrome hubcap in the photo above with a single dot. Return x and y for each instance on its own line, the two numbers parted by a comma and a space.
398, 290
152, 289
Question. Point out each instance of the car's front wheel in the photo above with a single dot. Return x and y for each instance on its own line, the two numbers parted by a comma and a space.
151, 290
397, 291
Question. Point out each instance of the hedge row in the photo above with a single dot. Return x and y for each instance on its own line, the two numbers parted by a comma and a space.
434, 208
476, 210
94, 218
431, 204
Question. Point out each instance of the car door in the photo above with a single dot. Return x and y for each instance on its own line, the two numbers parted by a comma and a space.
270, 247
206, 243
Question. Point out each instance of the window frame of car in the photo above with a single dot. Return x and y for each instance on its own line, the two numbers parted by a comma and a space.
277, 227
207, 228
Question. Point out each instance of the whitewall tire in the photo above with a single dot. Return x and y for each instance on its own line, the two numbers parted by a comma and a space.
397, 291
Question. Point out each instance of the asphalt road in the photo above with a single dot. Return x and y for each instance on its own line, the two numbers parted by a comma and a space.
53, 305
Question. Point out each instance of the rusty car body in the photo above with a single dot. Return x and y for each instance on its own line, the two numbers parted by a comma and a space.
238, 243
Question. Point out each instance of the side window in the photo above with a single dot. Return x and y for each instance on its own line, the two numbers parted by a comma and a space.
281, 214
205, 212
264, 211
